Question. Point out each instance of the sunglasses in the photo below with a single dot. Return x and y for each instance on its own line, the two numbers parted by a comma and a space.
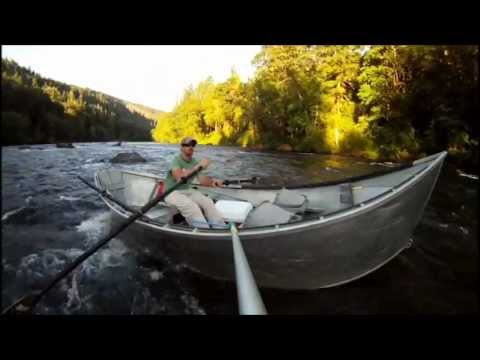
189, 144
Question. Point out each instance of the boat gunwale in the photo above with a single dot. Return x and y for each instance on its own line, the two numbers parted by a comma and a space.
329, 182
263, 230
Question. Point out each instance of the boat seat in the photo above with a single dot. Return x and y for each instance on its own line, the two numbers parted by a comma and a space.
291, 201
267, 214
162, 212
346, 194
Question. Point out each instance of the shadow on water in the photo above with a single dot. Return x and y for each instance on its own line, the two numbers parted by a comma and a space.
49, 218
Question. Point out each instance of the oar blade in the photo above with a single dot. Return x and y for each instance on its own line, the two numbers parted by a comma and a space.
23, 306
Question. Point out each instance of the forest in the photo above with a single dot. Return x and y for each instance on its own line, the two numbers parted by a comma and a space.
382, 102
36, 110
392, 102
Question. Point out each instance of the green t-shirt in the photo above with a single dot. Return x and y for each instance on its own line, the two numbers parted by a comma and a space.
179, 162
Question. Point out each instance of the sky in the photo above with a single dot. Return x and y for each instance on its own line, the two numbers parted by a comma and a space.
154, 75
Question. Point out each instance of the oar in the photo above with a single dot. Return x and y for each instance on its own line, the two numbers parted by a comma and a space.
26, 303
249, 300
251, 180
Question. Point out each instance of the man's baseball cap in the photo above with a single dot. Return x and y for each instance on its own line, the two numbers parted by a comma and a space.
188, 141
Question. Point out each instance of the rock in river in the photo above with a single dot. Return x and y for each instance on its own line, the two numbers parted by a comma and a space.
130, 158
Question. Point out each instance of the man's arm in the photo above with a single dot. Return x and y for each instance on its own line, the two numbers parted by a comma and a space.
178, 172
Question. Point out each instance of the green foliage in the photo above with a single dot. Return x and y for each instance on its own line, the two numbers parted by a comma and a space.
420, 98
314, 141
213, 113
356, 143
389, 102
286, 92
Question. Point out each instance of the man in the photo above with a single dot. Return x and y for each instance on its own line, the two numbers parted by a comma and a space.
188, 201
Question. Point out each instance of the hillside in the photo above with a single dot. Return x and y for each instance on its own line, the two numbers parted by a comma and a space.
145, 111
40, 110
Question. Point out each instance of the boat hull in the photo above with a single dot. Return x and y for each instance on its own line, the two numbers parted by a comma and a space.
335, 250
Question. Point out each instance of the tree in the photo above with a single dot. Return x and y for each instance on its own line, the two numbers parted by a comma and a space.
15, 128
384, 79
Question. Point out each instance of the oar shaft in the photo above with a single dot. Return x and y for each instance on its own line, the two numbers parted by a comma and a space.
83, 257
238, 181
249, 300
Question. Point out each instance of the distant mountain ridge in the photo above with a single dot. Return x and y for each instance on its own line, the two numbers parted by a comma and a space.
146, 111
41, 110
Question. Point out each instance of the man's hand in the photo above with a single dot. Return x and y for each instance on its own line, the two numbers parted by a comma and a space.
217, 182
204, 163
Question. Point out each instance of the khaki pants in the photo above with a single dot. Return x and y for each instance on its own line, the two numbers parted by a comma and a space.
190, 203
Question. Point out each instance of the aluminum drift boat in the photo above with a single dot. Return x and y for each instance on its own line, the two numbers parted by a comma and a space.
306, 237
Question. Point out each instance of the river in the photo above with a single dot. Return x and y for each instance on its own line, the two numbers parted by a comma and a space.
49, 217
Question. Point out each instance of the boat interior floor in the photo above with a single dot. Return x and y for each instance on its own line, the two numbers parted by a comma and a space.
286, 207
